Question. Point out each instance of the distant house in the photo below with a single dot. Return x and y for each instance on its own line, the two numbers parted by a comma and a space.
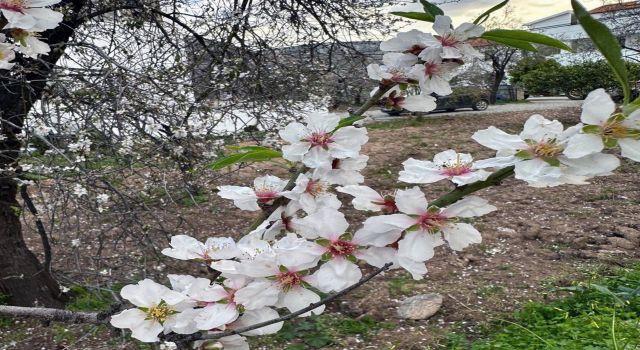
621, 18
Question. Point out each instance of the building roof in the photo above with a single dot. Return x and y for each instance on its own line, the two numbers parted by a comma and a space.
629, 5
547, 18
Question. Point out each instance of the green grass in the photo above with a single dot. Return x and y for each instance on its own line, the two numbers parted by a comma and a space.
89, 300
316, 332
600, 314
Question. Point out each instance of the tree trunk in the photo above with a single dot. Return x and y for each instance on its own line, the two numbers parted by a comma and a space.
497, 80
23, 279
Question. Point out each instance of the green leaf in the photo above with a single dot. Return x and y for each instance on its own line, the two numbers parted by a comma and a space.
348, 121
420, 16
606, 43
258, 155
247, 148
485, 16
431, 9
592, 129
505, 36
631, 107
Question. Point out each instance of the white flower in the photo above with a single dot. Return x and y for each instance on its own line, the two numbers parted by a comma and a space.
265, 190
395, 69
346, 171
312, 192
30, 14
317, 144
76, 242
6, 55
418, 229
451, 43
411, 42
394, 99
79, 190
184, 247
102, 198
159, 309
537, 153
605, 129
283, 219
366, 198
434, 74
457, 167
30, 45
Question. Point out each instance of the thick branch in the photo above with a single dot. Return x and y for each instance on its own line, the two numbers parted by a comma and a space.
494, 179
53, 314
46, 246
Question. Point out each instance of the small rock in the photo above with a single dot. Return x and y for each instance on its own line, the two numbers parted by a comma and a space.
629, 233
420, 307
621, 243
580, 242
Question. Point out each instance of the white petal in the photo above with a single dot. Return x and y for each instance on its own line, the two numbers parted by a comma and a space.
294, 132
421, 172
243, 197
336, 275
469, 207
347, 142
461, 235
411, 201
317, 157
497, 139
539, 128
253, 317
378, 256
382, 230
581, 145
538, 172
298, 298
442, 25
630, 148
257, 294
497, 162
597, 107
364, 197
417, 246
295, 152
215, 316
322, 121
417, 269
419, 103
595, 164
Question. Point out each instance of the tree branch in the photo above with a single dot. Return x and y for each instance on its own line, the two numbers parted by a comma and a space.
58, 315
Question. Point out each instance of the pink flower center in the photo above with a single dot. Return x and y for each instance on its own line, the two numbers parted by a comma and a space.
341, 248
266, 196
315, 187
448, 41
456, 169
431, 69
289, 279
432, 222
13, 5
415, 49
388, 204
321, 139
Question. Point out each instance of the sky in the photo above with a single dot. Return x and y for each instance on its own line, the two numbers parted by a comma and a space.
524, 10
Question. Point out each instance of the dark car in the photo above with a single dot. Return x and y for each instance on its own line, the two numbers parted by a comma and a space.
472, 98
464, 97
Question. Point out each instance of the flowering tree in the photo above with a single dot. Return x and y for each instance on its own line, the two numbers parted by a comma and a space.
302, 244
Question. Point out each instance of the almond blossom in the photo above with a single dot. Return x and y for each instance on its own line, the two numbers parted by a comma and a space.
434, 74
411, 42
419, 228
395, 69
345, 171
184, 247
414, 103
30, 14
452, 43
366, 198
30, 45
283, 219
605, 129
266, 189
457, 167
159, 309
537, 153
312, 192
318, 143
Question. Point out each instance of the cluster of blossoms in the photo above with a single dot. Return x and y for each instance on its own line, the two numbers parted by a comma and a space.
306, 246
26, 19
427, 60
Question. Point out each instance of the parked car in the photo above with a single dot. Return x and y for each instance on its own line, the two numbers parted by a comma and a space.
462, 97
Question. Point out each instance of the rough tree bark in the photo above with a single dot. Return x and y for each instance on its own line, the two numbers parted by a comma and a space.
23, 279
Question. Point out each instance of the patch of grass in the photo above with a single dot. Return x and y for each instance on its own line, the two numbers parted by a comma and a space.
316, 332
401, 285
89, 300
489, 291
600, 314
398, 124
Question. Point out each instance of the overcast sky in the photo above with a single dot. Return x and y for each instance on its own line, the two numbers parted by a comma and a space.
525, 10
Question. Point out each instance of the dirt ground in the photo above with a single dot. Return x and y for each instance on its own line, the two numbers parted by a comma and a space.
537, 238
